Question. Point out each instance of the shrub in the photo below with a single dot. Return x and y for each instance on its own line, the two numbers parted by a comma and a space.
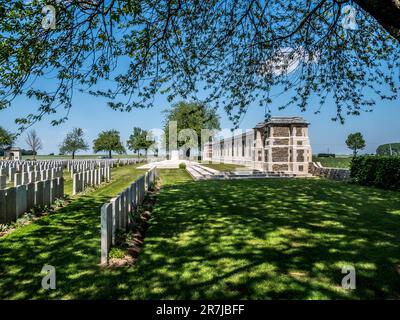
117, 253
326, 155
379, 171
182, 165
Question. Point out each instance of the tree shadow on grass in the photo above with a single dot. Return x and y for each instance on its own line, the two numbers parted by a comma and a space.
251, 239
266, 239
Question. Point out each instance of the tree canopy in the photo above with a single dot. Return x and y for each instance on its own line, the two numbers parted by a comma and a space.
190, 115
140, 140
73, 142
239, 53
355, 142
6, 138
389, 149
109, 141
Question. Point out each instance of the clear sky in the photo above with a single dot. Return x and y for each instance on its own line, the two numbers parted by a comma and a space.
93, 115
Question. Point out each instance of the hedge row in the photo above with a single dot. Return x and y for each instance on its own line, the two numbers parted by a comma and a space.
378, 171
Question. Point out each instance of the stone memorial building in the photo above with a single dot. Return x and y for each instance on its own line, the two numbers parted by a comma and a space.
13, 153
278, 145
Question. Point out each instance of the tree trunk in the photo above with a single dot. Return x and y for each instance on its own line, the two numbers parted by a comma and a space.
34, 155
109, 154
73, 155
188, 153
199, 150
386, 12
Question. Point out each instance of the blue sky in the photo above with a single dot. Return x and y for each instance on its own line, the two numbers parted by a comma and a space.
93, 115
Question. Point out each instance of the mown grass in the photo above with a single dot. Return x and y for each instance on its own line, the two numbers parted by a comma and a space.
338, 162
68, 239
260, 239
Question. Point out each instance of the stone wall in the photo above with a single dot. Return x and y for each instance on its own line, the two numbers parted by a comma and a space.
281, 131
300, 155
280, 167
331, 173
280, 154
281, 142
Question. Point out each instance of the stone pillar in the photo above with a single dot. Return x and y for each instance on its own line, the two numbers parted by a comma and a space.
95, 178
11, 174
47, 192
60, 183
37, 176
83, 180
91, 177
122, 211
11, 204
31, 176
53, 190
74, 184
106, 231
3, 182
17, 179
39, 193
108, 173
30, 195
21, 202
115, 215
133, 194
128, 206
25, 178
3, 207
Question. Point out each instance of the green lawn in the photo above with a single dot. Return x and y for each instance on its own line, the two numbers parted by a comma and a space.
338, 162
68, 239
224, 166
261, 239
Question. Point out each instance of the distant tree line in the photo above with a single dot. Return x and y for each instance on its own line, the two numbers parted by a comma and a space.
24, 152
389, 149
187, 115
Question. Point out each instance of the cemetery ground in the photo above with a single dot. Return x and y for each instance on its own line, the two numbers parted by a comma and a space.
244, 239
337, 162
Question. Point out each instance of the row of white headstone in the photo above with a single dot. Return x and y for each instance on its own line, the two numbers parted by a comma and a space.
115, 214
31, 176
10, 168
86, 165
90, 178
16, 201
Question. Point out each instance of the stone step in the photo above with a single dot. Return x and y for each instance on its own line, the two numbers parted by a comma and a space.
201, 171
194, 174
210, 170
